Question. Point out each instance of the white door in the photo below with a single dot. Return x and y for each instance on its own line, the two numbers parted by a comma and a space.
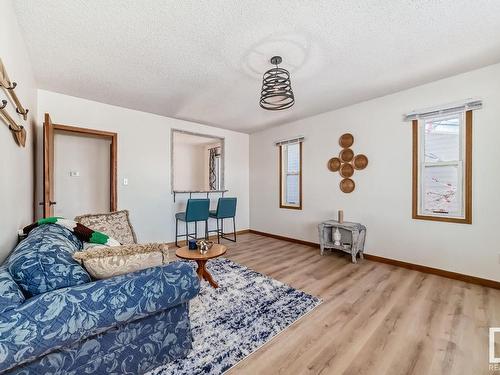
81, 174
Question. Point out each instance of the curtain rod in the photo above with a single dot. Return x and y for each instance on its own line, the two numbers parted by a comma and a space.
465, 105
289, 141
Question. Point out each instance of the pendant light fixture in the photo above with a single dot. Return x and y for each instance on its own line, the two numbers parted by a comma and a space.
276, 91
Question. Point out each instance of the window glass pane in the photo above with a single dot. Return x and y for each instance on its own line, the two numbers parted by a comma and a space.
442, 139
292, 189
293, 158
441, 189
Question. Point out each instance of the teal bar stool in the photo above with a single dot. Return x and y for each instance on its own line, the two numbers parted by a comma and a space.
196, 210
226, 209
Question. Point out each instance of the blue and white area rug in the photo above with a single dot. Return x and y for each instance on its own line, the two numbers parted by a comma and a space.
229, 323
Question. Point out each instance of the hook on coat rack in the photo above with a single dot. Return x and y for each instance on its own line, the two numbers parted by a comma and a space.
9, 87
18, 131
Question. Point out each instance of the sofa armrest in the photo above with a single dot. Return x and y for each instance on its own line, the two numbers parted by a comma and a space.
59, 318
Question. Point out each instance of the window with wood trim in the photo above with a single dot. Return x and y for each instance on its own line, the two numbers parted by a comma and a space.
291, 175
442, 168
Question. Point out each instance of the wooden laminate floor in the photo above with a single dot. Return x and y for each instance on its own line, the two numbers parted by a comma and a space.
375, 318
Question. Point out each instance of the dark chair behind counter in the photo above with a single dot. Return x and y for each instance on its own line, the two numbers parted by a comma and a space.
196, 210
226, 209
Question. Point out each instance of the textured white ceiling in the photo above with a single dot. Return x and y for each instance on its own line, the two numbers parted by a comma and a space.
203, 60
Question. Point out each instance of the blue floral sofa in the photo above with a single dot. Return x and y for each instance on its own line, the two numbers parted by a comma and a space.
55, 320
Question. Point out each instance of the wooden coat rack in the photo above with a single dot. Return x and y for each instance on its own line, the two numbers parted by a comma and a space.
17, 130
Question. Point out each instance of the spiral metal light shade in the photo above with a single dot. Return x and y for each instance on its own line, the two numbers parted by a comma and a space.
276, 91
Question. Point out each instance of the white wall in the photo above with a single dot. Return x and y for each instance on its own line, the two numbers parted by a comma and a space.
16, 163
191, 161
189, 167
90, 158
144, 158
382, 199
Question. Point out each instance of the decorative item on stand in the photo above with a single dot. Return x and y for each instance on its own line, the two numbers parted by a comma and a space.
192, 245
18, 131
347, 163
341, 216
204, 245
337, 237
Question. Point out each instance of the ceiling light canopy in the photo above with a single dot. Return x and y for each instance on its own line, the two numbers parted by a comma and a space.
276, 91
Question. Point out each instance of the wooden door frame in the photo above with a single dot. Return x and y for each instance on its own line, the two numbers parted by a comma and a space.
49, 153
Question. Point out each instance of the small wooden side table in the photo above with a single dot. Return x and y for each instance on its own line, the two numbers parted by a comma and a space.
201, 259
352, 237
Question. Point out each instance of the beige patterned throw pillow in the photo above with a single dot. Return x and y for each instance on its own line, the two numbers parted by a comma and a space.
102, 262
114, 224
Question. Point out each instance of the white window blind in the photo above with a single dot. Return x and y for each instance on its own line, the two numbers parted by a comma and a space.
289, 141
443, 110
291, 171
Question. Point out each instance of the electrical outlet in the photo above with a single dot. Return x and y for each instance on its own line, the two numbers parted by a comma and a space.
125, 181
74, 174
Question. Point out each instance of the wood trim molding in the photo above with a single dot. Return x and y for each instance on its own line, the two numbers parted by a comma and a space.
48, 166
113, 170
299, 207
398, 263
467, 175
51, 128
77, 129
280, 169
436, 271
414, 183
468, 167
284, 238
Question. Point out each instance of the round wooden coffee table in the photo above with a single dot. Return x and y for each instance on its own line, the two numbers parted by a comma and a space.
216, 251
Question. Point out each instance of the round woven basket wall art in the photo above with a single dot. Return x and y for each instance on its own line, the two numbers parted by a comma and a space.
346, 170
347, 185
346, 155
347, 163
346, 140
334, 164
360, 162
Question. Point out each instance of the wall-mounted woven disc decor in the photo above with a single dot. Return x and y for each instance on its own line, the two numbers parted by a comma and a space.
347, 163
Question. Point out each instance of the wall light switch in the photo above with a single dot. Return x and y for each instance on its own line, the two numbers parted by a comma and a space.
74, 174
125, 181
